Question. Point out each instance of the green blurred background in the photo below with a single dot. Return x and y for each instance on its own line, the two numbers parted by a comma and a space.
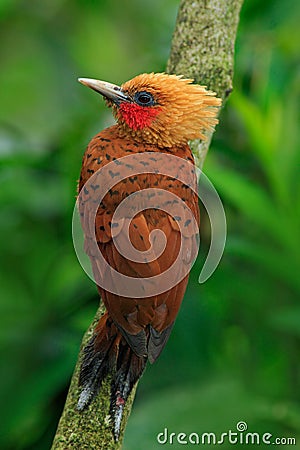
234, 352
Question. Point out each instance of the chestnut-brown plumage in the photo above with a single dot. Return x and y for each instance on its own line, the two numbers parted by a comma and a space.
155, 113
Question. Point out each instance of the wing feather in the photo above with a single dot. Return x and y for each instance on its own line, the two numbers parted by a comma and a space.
145, 323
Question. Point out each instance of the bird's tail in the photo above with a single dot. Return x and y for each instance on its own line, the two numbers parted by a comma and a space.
107, 353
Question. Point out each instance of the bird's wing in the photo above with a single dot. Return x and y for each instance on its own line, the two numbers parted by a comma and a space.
144, 322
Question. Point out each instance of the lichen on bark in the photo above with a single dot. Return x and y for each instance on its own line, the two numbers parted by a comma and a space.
203, 49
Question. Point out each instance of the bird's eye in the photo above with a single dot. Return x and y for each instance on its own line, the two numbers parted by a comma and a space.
144, 99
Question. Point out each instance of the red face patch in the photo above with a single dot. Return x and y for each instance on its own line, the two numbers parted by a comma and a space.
138, 117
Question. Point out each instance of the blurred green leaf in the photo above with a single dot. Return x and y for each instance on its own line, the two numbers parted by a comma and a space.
287, 320
256, 205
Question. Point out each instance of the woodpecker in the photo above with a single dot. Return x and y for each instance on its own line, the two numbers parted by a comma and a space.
156, 114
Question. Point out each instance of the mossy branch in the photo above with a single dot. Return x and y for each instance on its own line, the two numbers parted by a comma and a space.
203, 49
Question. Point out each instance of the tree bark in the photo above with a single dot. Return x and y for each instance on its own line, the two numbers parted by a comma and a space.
203, 49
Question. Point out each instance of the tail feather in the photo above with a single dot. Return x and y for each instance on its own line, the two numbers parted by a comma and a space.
130, 370
107, 353
97, 363
93, 370
157, 341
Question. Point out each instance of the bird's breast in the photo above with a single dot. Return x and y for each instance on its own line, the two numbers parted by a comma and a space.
147, 182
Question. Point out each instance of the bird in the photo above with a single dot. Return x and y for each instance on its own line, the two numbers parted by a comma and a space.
156, 114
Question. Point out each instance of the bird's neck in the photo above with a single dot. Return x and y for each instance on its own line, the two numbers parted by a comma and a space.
143, 125
150, 135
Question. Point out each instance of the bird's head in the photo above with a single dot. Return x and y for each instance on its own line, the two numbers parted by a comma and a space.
161, 109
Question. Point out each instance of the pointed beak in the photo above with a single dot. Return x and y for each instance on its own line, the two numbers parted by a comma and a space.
108, 90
